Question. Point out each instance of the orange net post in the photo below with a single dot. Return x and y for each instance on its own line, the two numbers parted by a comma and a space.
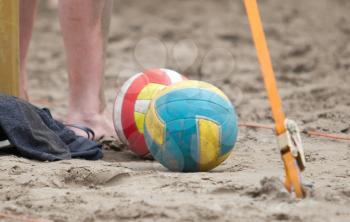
265, 64
293, 182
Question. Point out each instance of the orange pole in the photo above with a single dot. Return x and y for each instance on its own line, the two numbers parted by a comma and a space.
265, 64
293, 179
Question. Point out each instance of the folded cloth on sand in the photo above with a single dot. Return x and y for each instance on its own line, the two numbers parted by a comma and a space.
36, 135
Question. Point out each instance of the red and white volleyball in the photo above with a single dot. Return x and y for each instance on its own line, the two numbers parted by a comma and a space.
132, 101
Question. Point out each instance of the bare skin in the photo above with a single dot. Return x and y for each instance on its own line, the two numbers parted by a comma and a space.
84, 25
27, 16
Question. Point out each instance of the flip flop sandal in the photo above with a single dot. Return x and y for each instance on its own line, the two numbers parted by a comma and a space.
89, 132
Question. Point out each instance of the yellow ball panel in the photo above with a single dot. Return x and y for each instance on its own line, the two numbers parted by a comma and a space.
155, 126
149, 91
139, 120
192, 84
209, 144
141, 104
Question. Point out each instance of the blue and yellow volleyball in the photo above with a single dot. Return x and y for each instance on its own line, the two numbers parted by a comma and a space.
191, 126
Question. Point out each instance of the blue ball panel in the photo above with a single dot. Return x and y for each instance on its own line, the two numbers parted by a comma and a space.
192, 109
180, 150
183, 133
229, 131
190, 94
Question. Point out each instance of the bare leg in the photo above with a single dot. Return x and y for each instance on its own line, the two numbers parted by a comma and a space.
84, 25
27, 16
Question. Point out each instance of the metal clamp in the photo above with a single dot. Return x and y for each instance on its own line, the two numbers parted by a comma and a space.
291, 140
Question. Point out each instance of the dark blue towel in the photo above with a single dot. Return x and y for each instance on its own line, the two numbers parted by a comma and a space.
36, 135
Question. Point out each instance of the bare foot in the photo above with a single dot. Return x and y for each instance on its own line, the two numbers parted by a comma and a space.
100, 123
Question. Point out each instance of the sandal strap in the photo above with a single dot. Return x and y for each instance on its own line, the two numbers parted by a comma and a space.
89, 132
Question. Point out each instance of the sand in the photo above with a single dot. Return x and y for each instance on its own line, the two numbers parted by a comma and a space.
208, 40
